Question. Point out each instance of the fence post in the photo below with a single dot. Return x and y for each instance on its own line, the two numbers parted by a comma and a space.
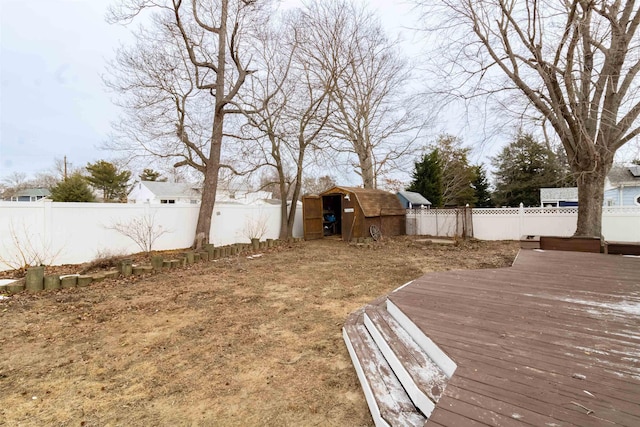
47, 226
147, 209
520, 222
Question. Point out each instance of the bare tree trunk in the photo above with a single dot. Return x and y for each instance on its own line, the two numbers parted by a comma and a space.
367, 171
296, 192
590, 189
591, 169
210, 185
283, 220
284, 233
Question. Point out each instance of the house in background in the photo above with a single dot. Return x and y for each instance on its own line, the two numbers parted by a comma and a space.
413, 200
622, 186
30, 195
558, 197
240, 193
157, 192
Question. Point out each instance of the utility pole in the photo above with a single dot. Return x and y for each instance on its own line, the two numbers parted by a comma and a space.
65, 167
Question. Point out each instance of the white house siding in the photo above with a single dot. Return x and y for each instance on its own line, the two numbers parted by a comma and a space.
629, 196
623, 196
140, 194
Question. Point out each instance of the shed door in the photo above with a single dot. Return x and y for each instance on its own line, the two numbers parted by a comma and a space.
312, 217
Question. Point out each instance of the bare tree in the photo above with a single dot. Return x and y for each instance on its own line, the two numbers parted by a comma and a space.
317, 184
457, 174
572, 65
374, 119
180, 80
16, 181
143, 230
289, 107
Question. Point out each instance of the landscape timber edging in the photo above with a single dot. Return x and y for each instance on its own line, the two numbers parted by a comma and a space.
38, 281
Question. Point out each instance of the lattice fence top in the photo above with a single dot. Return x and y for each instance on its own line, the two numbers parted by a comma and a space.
551, 211
629, 210
607, 210
496, 211
526, 211
432, 212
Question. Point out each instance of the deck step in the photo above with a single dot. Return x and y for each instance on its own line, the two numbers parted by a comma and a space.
420, 376
431, 349
388, 401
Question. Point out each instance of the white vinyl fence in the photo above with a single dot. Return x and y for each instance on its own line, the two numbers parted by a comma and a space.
620, 224
70, 233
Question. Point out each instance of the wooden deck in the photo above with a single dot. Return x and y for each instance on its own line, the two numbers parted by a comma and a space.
552, 341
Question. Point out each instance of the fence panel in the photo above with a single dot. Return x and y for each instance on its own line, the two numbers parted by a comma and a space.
431, 222
621, 224
23, 233
71, 233
618, 223
549, 222
496, 224
238, 223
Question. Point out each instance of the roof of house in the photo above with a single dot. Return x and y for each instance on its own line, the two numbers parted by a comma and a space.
414, 198
171, 190
38, 192
624, 175
372, 202
567, 194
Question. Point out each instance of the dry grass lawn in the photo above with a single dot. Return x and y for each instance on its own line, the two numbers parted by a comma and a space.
235, 342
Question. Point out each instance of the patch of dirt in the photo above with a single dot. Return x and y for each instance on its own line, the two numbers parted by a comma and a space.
235, 342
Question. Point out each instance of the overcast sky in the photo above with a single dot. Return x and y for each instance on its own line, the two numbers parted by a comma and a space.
52, 100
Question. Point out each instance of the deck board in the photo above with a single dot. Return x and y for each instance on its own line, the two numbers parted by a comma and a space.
524, 336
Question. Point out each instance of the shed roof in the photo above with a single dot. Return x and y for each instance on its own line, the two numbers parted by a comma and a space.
414, 198
372, 202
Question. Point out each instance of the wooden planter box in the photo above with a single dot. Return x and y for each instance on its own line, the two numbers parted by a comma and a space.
573, 244
623, 248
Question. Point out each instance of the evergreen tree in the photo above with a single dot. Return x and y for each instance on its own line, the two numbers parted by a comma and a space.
105, 176
522, 168
427, 178
481, 187
443, 175
72, 189
151, 175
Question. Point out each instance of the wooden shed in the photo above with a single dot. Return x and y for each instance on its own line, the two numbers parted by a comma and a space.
349, 212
